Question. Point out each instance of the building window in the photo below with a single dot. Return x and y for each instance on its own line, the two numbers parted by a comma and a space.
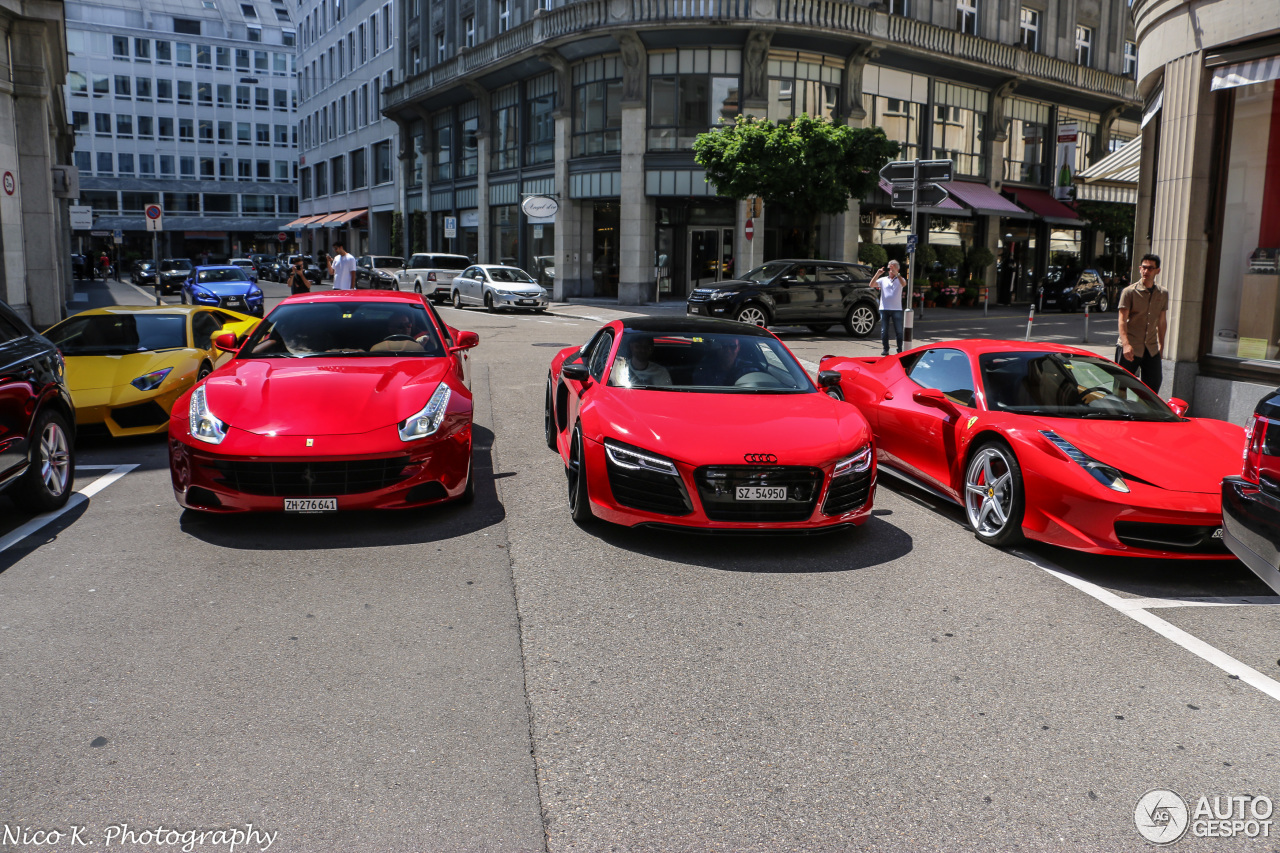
204, 56
1030, 25
186, 26
1131, 59
338, 174
146, 164
504, 129
77, 83
224, 132
242, 59
164, 91
1025, 151
204, 93
289, 38
146, 127
206, 168
120, 47
901, 120
184, 55
164, 127
260, 98
124, 164
187, 169
597, 107
304, 184
1084, 45
124, 127
123, 86
282, 135
254, 33
204, 129
359, 168
382, 162
224, 94
186, 130
959, 124
504, 15
164, 51
101, 85
222, 57
102, 124
322, 180
469, 30
105, 164
142, 88
967, 16
142, 50
184, 91
802, 83
244, 133
441, 146
166, 165
262, 134
540, 132
683, 105
897, 7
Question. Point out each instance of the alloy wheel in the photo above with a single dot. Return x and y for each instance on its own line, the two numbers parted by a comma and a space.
861, 321
753, 315
55, 460
990, 491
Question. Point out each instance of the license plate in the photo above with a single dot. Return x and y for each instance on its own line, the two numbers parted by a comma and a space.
697, 309
310, 504
528, 302
762, 493
233, 301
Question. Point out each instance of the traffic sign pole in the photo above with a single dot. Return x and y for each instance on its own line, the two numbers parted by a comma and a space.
907, 335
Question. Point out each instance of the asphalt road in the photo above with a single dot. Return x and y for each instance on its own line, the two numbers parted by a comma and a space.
495, 678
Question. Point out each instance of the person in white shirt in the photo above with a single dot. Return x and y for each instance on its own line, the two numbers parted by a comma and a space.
638, 370
890, 284
342, 266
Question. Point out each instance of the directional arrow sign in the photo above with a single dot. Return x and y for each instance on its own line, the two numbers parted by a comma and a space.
927, 195
903, 171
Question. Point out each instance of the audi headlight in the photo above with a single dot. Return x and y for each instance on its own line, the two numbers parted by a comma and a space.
1102, 472
855, 464
151, 381
638, 460
205, 425
427, 421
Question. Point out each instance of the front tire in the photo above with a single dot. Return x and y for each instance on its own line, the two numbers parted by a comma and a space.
860, 322
488, 304
205, 369
1104, 304
46, 485
753, 315
993, 496
576, 472
417, 288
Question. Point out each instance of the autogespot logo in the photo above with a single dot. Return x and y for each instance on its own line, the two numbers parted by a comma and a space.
1161, 816
760, 458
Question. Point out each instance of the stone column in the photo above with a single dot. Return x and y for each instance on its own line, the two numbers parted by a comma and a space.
635, 221
483, 118
568, 241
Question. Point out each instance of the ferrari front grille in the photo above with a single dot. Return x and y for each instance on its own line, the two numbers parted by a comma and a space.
718, 491
1154, 536
847, 493
311, 479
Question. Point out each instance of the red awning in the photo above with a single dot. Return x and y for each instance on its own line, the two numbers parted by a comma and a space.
947, 204
350, 216
298, 223
984, 200
324, 221
1047, 207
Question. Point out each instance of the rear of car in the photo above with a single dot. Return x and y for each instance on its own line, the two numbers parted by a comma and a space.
432, 274
1251, 502
247, 265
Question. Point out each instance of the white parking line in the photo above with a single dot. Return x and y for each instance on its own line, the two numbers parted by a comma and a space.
1195, 645
151, 297
114, 472
1208, 601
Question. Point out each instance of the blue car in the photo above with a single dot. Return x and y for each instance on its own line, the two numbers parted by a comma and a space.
223, 286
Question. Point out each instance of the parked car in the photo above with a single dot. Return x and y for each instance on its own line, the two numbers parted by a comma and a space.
309, 267
1251, 501
223, 286
173, 272
260, 262
144, 273
1089, 288
378, 272
37, 417
795, 292
247, 265
498, 287
432, 274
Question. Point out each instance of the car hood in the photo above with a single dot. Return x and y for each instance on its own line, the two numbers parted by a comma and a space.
297, 396
91, 372
707, 429
732, 284
529, 287
1187, 456
227, 288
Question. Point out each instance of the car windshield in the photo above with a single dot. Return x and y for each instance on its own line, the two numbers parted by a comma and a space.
510, 275
222, 275
767, 272
345, 329
146, 265
306, 259
1067, 385
119, 334
716, 362
180, 265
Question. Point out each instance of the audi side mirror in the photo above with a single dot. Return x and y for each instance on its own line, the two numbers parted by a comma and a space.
828, 378
576, 371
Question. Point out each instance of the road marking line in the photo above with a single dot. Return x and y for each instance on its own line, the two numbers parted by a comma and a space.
1195, 645
1208, 601
150, 296
17, 535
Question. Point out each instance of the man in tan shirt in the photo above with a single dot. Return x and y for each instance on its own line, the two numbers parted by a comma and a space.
1144, 319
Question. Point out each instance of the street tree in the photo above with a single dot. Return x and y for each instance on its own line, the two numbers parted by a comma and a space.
808, 166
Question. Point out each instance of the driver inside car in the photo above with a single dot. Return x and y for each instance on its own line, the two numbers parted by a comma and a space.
638, 368
723, 366
401, 336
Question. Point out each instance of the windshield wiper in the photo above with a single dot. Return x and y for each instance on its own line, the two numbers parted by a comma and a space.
1110, 416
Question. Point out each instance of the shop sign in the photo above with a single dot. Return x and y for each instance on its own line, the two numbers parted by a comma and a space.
540, 208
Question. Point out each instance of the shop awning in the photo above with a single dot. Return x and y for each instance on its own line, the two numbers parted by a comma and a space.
1047, 207
298, 223
1246, 73
984, 200
350, 216
324, 220
1114, 177
947, 207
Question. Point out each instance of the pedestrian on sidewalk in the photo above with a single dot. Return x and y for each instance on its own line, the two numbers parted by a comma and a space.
298, 278
890, 286
1144, 320
342, 267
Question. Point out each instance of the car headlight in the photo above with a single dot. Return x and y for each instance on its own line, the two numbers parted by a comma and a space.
855, 464
151, 381
427, 421
719, 294
638, 460
1103, 473
204, 424
255, 294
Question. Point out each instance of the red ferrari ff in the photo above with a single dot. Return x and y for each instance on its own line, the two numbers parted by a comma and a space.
703, 423
1048, 442
338, 400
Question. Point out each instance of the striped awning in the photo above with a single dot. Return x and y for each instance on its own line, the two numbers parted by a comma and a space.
299, 222
1246, 73
324, 221
1114, 177
1048, 208
350, 216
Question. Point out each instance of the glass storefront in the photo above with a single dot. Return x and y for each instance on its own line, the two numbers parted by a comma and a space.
540, 240
605, 259
504, 234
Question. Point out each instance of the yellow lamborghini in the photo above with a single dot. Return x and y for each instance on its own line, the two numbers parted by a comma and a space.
127, 364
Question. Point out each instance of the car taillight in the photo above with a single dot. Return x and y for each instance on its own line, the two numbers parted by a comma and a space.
1254, 445
431, 276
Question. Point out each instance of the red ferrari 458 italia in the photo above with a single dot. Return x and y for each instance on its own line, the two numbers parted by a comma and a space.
703, 423
338, 400
1048, 442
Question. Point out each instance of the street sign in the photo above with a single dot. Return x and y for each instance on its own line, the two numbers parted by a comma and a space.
282, 237
155, 218
929, 195
450, 227
81, 217
912, 240
903, 171
117, 236
750, 230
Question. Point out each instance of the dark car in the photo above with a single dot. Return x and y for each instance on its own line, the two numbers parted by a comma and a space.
37, 418
261, 261
173, 272
1088, 288
378, 272
144, 272
309, 266
816, 294
1251, 502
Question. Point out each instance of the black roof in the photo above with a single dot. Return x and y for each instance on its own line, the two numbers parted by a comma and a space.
691, 325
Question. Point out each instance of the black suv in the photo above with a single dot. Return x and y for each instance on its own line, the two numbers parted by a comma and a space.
1251, 502
173, 272
37, 418
793, 292
1089, 288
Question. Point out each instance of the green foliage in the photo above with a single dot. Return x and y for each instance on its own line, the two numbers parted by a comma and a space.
926, 257
397, 233
806, 165
418, 231
875, 256
951, 257
980, 257
1111, 218
897, 252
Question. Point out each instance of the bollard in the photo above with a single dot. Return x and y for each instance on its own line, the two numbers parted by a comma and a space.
1086, 323
1031, 318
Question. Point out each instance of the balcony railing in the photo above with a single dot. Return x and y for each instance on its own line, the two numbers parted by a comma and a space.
579, 17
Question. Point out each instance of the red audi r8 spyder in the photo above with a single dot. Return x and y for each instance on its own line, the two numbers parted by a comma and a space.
1048, 442
338, 400
704, 423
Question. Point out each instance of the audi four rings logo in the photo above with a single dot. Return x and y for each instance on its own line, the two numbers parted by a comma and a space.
758, 458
